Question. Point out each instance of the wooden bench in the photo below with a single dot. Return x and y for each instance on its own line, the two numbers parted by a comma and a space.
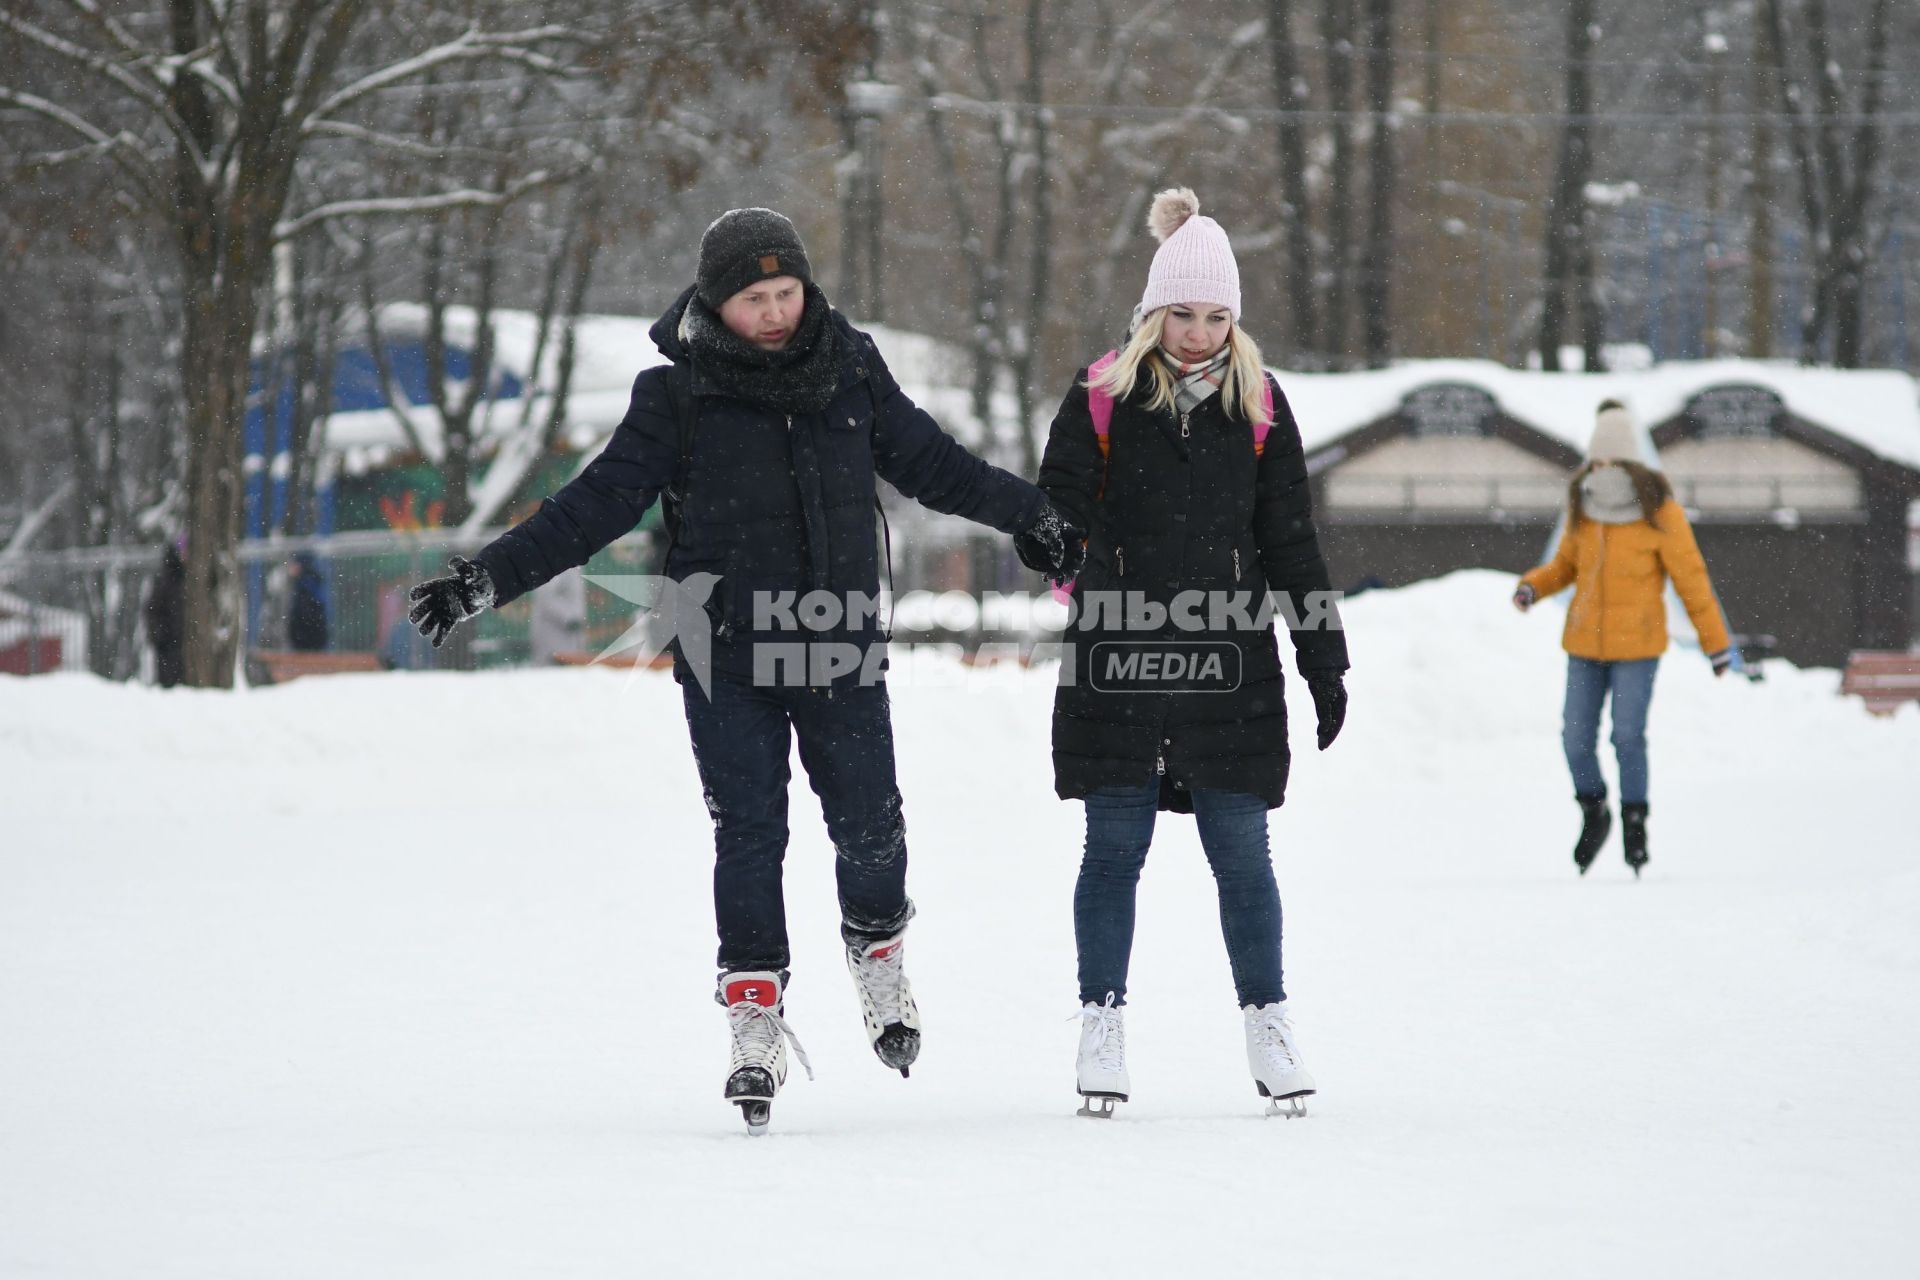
619, 662
277, 666
1883, 680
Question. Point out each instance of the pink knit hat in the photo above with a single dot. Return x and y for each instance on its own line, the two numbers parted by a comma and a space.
1195, 261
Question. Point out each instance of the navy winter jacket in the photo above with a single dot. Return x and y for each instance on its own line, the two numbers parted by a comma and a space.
774, 503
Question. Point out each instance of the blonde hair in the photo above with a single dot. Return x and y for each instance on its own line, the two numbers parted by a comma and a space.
1241, 392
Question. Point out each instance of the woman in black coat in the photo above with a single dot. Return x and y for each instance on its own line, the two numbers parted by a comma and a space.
1181, 458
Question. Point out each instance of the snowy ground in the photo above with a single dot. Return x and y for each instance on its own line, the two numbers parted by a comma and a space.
265, 1011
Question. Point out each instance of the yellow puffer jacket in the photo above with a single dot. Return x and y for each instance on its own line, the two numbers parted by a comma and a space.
1618, 573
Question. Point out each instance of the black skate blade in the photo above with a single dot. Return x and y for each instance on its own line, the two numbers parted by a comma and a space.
756, 1112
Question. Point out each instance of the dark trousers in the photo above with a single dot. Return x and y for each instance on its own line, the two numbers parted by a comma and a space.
740, 745
1233, 831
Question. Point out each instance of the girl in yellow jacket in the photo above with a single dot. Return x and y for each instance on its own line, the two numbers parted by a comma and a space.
1625, 536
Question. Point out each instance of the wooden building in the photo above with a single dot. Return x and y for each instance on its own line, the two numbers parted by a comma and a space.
1803, 485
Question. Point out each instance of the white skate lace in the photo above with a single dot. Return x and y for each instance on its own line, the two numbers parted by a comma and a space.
756, 1037
1104, 1034
1273, 1037
883, 981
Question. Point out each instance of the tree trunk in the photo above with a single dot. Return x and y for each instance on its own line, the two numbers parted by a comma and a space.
1337, 29
216, 349
1566, 209
1851, 238
1716, 160
1040, 247
1378, 275
1290, 93
1812, 194
1837, 172
1760, 232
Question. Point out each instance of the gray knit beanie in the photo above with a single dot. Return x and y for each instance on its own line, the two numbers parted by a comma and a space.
745, 246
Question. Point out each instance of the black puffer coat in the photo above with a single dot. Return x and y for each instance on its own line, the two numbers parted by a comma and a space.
775, 502
1184, 507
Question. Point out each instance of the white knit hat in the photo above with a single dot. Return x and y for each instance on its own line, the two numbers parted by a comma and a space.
1614, 436
1194, 262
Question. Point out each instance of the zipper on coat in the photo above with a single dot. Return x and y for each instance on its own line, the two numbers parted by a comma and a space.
1120, 560
1160, 763
1184, 433
1236, 564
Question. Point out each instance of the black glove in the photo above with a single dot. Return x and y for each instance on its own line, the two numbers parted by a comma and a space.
1722, 661
441, 604
1052, 545
1329, 690
1523, 596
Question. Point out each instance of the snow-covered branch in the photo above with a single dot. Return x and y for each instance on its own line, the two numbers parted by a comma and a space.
388, 206
123, 146
399, 145
149, 92
471, 45
35, 520
199, 64
119, 35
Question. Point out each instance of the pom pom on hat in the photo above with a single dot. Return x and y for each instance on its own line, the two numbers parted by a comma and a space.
1171, 209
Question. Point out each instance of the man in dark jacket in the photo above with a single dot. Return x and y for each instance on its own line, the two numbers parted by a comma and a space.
765, 435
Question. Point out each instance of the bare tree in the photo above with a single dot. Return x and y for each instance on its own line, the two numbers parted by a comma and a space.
1760, 231
1337, 28
1377, 262
999, 343
1292, 93
1569, 257
206, 126
1837, 164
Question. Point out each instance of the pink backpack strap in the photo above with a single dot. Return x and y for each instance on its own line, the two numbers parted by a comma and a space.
1265, 422
1100, 403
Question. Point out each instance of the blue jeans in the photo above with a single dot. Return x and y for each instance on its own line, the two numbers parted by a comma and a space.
1588, 684
740, 745
1233, 830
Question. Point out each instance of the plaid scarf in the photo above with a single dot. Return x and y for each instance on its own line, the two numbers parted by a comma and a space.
1194, 383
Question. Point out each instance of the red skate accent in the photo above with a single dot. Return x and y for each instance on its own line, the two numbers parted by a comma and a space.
762, 991
882, 953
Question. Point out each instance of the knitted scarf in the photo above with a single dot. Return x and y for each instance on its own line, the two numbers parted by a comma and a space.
1193, 384
799, 378
1607, 495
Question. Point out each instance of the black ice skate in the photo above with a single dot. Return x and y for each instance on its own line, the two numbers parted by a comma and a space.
1596, 823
